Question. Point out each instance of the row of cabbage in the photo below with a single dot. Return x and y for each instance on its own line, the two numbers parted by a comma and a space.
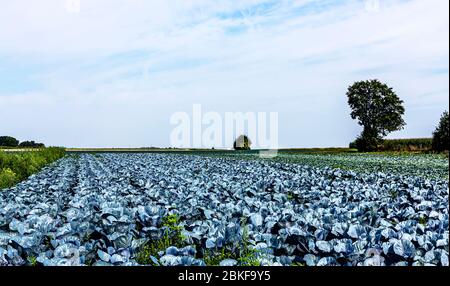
430, 166
162, 209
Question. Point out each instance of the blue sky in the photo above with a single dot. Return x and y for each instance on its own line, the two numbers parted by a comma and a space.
112, 73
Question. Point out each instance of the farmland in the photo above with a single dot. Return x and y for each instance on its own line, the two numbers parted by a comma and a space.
229, 208
431, 166
17, 164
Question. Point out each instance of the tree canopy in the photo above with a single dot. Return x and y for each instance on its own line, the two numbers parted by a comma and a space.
441, 134
242, 143
377, 108
31, 144
8, 141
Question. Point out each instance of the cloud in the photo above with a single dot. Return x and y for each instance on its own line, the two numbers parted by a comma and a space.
126, 67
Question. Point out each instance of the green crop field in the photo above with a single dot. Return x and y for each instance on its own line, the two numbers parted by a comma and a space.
18, 164
405, 163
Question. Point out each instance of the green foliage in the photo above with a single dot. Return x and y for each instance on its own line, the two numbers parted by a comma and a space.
17, 166
298, 264
74, 156
31, 144
393, 194
152, 249
429, 166
245, 256
97, 155
397, 145
378, 109
172, 223
290, 196
352, 145
316, 150
423, 220
213, 257
172, 237
368, 142
441, 134
8, 141
32, 260
400, 145
241, 252
248, 258
242, 143
7, 178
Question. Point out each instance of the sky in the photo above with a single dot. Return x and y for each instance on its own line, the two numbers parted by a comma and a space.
110, 73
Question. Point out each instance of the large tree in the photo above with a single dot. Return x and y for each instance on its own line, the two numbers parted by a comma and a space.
378, 109
441, 136
7, 141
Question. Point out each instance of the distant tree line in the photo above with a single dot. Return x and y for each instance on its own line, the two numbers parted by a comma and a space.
31, 144
8, 141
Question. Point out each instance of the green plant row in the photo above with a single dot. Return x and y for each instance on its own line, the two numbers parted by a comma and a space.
240, 251
172, 237
17, 166
401, 145
414, 144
